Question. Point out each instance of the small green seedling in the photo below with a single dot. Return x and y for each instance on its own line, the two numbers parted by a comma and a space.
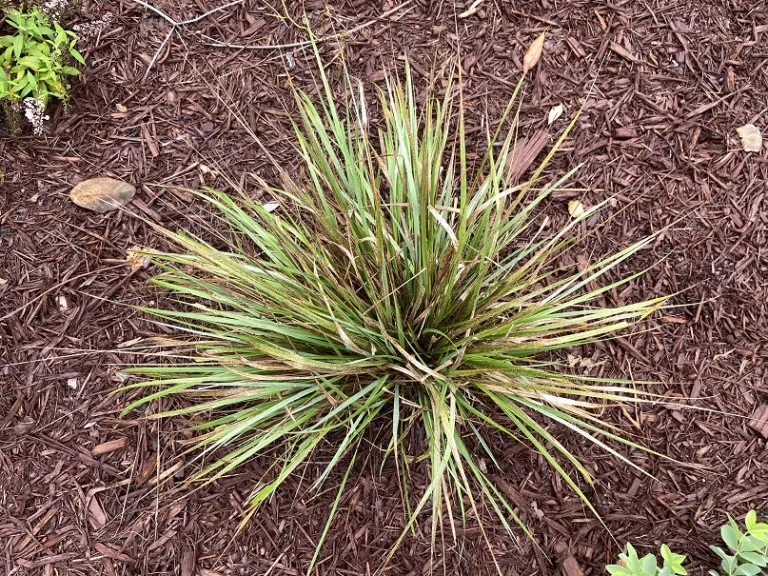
748, 554
648, 565
748, 550
34, 64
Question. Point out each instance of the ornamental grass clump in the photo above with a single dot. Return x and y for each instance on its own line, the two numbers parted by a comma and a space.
390, 278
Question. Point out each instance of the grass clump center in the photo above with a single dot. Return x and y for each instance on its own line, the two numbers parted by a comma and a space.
391, 278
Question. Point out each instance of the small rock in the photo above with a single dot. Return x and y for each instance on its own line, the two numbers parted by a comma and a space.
555, 113
102, 194
576, 209
751, 139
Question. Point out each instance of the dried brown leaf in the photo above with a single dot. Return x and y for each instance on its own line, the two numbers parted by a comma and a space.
533, 53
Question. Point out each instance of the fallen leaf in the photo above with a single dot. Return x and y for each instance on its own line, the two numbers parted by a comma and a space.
751, 139
102, 194
576, 208
471, 10
555, 113
138, 257
533, 53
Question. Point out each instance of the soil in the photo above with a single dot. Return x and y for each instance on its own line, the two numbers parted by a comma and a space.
668, 84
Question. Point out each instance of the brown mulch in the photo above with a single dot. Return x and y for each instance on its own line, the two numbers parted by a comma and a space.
670, 82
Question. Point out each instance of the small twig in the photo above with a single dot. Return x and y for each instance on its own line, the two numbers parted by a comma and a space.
306, 43
198, 18
157, 53
158, 12
175, 26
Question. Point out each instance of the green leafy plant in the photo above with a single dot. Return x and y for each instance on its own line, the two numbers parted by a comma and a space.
392, 278
648, 565
748, 550
34, 63
748, 554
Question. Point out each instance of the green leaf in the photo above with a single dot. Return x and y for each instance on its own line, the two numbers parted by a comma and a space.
730, 536
747, 570
30, 62
616, 570
70, 71
749, 543
18, 45
750, 519
77, 56
649, 564
672, 560
754, 558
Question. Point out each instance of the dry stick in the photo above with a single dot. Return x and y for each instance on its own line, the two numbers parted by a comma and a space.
213, 42
55, 287
305, 43
176, 25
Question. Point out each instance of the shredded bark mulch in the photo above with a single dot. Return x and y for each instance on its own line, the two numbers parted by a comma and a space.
668, 83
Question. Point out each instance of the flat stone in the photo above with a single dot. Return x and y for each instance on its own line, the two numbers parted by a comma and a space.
102, 194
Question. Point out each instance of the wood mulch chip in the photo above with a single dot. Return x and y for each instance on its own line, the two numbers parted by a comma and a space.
669, 83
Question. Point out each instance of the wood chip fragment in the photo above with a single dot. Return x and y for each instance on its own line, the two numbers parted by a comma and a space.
524, 153
31, 564
188, 561
625, 132
111, 446
96, 513
571, 567
759, 422
111, 552
623, 52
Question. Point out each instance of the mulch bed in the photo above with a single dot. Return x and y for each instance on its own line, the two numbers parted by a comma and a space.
669, 82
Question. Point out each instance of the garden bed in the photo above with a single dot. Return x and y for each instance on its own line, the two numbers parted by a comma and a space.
673, 82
